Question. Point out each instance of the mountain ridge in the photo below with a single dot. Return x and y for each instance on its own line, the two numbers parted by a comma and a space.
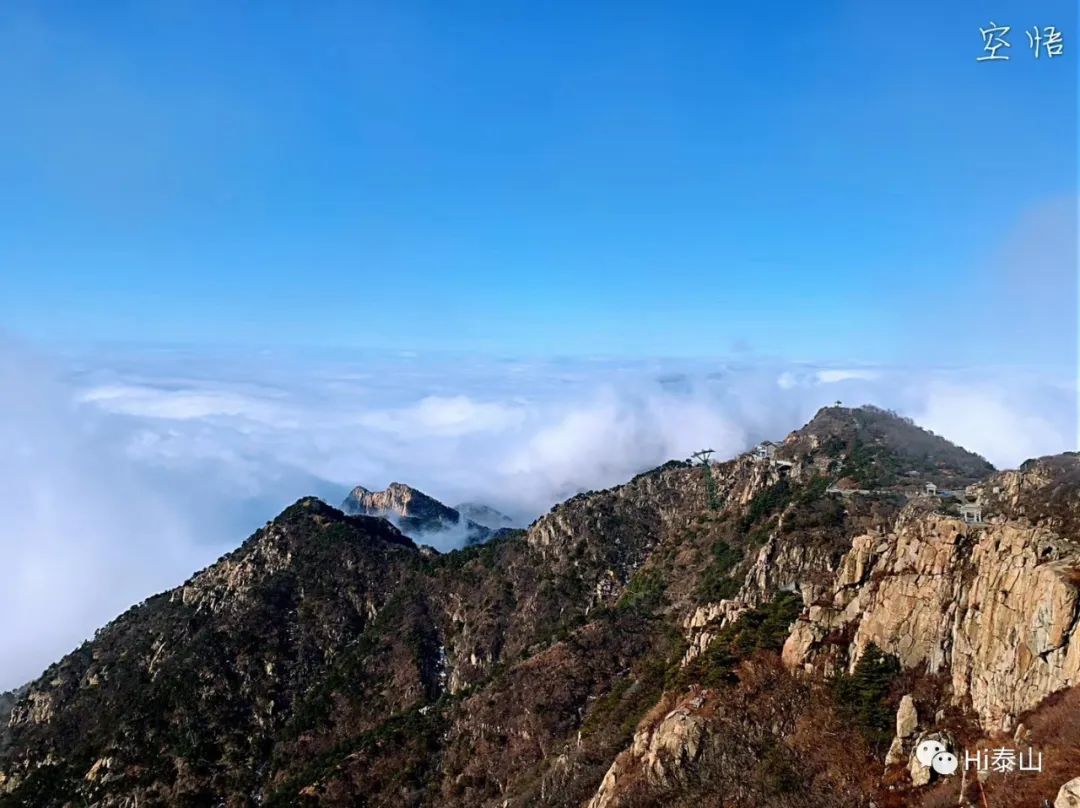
586, 659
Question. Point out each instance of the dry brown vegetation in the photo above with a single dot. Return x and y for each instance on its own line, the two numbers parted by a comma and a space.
1054, 728
774, 739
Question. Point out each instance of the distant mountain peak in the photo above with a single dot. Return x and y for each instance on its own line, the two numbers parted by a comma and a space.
400, 499
485, 515
414, 512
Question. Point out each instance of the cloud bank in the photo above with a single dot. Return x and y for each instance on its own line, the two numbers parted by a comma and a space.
126, 471
83, 533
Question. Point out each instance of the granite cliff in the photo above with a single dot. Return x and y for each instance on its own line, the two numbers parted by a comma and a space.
419, 515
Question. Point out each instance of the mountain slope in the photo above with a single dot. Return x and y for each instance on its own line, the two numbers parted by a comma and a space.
207, 670
625, 650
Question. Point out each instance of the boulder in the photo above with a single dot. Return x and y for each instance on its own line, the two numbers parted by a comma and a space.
907, 717
1069, 795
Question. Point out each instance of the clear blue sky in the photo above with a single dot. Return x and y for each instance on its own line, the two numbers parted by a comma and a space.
806, 179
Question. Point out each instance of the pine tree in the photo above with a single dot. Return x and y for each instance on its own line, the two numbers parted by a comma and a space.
863, 694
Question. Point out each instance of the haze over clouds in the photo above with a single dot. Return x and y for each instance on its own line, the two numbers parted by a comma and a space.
83, 533
126, 471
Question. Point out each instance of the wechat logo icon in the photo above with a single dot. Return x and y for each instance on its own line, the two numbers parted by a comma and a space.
934, 754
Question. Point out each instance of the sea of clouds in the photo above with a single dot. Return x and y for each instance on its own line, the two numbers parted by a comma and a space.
125, 470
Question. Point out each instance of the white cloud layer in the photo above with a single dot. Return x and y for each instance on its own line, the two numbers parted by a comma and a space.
125, 472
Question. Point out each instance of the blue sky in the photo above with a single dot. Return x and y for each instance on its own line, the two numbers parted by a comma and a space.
501, 251
806, 180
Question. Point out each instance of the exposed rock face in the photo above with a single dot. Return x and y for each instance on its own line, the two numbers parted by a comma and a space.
660, 752
414, 512
907, 718
1069, 795
995, 606
1041, 492
399, 499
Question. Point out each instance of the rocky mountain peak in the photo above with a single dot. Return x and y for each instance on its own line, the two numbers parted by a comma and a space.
878, 448
399, 499
415, 513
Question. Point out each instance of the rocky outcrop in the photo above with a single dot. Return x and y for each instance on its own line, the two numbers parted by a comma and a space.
996, 607
907, 717
397, 498
659, 753
1069, 795
1042, 492
400, 500
789, 566
778, 566
414, 512
705, 622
